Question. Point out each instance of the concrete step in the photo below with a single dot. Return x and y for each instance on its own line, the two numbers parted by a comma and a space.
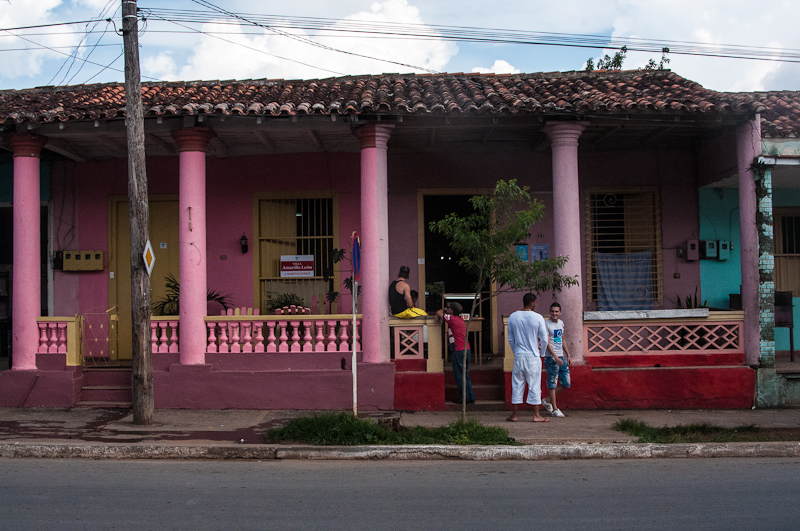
101, 404
481, 391
107, 376
479, 405
102, 393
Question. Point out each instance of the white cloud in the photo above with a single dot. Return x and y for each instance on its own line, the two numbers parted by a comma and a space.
161, 66
272, 56
499, 67
715, 22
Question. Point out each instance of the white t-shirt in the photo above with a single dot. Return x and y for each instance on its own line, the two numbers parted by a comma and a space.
556, 333
527, 333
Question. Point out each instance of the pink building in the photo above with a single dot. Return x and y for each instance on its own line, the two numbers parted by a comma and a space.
246, 178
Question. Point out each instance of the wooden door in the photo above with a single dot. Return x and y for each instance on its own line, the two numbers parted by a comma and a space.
164, 238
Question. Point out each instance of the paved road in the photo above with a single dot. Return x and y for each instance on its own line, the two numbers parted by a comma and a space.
620, 494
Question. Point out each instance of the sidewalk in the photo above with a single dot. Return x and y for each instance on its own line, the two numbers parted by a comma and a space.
236, 434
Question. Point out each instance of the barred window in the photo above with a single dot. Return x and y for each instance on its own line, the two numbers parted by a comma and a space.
787, 249
624, 270
295, 226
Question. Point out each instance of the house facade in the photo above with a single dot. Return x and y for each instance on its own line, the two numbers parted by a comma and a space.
253, 184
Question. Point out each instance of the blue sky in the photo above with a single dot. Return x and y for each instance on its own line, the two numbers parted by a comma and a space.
173, 52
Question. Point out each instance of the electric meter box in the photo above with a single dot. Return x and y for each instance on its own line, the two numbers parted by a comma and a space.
708, 248
83, 261
724, 249
692, 250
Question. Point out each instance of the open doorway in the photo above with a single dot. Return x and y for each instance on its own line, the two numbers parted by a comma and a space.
441, 263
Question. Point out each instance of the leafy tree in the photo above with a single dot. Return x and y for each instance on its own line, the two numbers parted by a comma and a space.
615, 62
486, 243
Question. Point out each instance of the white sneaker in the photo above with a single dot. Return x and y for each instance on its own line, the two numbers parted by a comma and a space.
547, 405
558, 413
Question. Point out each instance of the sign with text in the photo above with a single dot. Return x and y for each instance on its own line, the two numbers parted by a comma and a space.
297, 265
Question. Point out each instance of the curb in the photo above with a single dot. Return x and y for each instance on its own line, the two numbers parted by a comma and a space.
406, 452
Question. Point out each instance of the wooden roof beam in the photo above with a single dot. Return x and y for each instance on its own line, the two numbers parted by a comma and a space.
163, 144
64, 148
266, 140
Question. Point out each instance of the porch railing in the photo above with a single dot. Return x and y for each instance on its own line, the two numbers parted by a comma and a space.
61, 335
719, 333
301, 333
295, 333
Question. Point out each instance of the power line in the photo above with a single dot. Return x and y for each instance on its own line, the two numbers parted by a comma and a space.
327, 26
307, 41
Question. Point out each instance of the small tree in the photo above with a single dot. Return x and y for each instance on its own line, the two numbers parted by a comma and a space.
486, 243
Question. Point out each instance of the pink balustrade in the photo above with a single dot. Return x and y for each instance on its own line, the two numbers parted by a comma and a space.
662, 337
164, 336
52, 337
289, 332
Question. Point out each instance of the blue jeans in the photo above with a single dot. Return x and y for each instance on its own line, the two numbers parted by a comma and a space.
458, 360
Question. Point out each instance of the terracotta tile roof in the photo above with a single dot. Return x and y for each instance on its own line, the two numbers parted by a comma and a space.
599, 92
781, 115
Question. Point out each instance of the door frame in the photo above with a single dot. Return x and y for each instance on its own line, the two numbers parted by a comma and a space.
469, 192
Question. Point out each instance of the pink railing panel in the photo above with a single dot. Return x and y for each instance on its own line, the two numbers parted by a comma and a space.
671, 337
164, 336
52, 337
291, 332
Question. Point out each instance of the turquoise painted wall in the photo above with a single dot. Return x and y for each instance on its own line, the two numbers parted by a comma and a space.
719, 220
7, 182
783, 198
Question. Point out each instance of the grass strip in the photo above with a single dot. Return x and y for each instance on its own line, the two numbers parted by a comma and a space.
342, 429
688, 433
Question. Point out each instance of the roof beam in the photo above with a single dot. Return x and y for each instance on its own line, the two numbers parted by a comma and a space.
166, 146
116, 148
653, 136
606, 135
64, 148
218, 148
487, 135
266, 140
316, 139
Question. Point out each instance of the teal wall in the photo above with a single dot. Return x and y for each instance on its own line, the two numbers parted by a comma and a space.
719, 220
7, 182
784, 198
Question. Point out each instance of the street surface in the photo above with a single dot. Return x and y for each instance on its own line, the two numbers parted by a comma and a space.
619, 494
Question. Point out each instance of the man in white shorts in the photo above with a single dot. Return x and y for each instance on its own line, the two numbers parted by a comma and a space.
527, 335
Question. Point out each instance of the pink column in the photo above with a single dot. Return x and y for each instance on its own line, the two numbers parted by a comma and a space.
26, 299
748, 147
192, 233
567, 225
374, 242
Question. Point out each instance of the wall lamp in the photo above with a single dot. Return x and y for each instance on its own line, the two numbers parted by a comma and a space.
243, 241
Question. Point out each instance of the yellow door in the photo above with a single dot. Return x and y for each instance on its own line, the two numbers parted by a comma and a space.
164, 239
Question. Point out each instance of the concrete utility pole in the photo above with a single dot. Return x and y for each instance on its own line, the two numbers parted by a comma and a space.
143, 399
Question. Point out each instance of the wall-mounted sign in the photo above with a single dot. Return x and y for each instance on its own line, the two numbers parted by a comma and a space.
540, 252
297, 265
522, 252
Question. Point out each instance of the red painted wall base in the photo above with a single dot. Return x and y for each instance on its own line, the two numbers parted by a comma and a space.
654, 388
419, 391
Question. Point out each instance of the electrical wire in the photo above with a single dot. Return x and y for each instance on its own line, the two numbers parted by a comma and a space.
476, 34
308, 41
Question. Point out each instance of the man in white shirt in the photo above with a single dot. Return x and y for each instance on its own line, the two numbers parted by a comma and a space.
527, 335
556, 362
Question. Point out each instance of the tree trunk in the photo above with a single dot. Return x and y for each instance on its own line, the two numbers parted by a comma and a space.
143, 399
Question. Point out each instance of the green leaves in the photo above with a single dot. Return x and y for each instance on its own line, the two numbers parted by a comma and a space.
485, 241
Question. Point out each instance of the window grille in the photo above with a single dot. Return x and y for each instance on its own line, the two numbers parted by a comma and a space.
624, 268
787, 249
295, 226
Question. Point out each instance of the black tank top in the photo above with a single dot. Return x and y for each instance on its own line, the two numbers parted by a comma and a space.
397, 302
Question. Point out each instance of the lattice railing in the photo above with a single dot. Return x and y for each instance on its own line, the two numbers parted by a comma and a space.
672, 337
408, 343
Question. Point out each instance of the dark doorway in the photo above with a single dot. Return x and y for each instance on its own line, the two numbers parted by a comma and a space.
441, 263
